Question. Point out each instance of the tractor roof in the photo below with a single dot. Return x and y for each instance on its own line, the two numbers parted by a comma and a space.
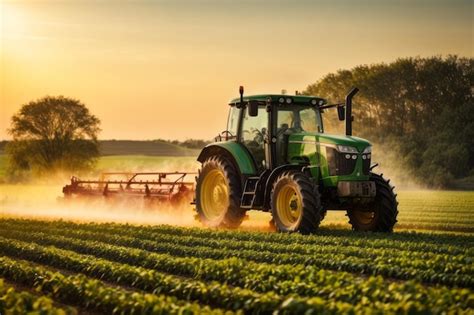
296, 99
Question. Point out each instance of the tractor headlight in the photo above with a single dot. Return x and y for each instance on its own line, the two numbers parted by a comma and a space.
281, 100
346, 149
368, 149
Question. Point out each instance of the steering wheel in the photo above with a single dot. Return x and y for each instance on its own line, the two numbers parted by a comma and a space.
258, 132
282, 131
259, 135
227, 134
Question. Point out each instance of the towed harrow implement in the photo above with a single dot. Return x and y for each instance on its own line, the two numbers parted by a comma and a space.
173, 187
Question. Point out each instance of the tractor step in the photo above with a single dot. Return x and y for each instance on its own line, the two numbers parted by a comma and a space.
248, 195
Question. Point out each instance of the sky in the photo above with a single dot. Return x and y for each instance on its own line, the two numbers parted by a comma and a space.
167, 69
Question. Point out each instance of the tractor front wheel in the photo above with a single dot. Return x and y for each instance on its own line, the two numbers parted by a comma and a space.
296, 203
218, 193
381, 214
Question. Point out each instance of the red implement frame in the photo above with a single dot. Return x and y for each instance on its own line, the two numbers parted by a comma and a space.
158, 185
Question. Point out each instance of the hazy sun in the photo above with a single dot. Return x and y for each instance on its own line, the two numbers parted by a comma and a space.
13, 19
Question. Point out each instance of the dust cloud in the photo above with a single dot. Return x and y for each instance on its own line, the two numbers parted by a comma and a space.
47, 203
43, 199
393, 166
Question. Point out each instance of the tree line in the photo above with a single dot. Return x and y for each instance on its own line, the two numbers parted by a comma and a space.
420, 111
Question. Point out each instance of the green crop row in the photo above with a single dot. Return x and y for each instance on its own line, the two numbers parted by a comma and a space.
438, 216
432, 268
423, 242
282, 279
213, 293
14, 302
400, 240
274, 247
300, 254
93, 294
440, 220
450, 213
448, 226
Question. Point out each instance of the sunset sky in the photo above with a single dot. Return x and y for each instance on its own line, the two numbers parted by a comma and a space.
166, 69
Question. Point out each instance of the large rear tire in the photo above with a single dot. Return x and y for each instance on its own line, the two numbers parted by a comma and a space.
296, 203
218, 193
379, 216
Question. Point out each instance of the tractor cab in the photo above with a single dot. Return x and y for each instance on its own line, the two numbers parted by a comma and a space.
276, 117
276, 157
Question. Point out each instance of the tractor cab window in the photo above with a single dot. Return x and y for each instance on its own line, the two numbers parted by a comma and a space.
309, 120
254, 133
233, 122
293, 119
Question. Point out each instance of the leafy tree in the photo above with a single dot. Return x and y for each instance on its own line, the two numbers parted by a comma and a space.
52, 133
423, 107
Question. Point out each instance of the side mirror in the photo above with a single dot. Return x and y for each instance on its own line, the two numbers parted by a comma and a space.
341, 113
253, 108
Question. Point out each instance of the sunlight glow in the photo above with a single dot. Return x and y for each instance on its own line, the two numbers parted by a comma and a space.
13, 19
169, 64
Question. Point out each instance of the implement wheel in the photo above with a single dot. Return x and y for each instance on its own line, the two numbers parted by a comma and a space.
380, 215
296, 203
218, 193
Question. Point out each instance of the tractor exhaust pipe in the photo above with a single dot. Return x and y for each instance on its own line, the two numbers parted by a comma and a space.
349, 116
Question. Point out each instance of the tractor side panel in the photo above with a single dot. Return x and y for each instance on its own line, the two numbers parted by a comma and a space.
241, 157
303, 149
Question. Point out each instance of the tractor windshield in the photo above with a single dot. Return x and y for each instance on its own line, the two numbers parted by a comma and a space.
298, 119
331, 122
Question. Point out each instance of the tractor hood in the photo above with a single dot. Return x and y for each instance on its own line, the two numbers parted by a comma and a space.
325, 138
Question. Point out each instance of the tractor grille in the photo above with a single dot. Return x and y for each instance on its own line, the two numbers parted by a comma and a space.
338, 163
366, 165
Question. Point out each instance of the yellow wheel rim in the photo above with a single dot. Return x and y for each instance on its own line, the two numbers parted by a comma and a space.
214, 195
289, 206
364, 217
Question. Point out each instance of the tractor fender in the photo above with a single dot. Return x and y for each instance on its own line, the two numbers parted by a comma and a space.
274, 175
234, 152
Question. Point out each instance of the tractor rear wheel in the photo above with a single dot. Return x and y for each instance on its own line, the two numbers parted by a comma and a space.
381, 214
296, 203
218, 193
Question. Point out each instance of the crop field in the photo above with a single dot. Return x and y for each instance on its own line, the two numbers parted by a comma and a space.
106, 268
85, 264
428, 210
62, 267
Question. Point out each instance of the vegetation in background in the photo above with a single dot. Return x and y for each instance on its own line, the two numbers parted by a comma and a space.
117, 163
191, 143
52, 133
418, 110
147, 147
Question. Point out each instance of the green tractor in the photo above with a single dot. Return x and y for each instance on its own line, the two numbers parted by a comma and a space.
274, 156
